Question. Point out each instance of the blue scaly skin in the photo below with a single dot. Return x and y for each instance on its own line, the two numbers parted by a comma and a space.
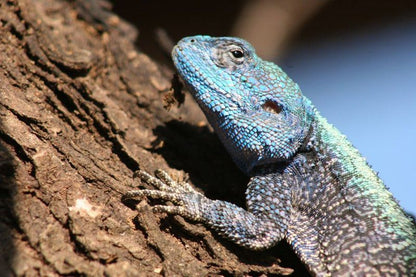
308, 184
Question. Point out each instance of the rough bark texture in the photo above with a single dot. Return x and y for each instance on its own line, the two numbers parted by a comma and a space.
80, 110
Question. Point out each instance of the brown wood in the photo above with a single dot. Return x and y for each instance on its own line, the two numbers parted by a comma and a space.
80, 110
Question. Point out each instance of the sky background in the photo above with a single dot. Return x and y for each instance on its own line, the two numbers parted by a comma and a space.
364, 84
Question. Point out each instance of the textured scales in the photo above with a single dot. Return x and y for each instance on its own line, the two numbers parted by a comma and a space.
308, 184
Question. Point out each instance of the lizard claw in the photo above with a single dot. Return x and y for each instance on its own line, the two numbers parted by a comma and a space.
181, 194
158, 183
165, 177
163, 181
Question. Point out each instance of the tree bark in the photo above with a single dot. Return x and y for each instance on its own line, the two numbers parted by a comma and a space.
80, 110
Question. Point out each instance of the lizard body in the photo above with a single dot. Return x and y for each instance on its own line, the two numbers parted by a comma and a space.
308, 184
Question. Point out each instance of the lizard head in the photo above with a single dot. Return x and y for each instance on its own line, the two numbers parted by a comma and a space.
258, 112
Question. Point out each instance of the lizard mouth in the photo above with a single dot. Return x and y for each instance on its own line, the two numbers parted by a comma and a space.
184, 66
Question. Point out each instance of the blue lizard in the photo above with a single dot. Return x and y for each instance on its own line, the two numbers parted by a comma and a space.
308, 184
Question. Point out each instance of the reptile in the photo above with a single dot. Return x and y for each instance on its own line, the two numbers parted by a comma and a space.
308, 184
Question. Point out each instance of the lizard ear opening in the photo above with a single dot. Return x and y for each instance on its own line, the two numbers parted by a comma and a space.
272, 107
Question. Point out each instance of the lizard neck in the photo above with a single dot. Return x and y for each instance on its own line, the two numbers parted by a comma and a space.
342, 159
350, 206
355, 177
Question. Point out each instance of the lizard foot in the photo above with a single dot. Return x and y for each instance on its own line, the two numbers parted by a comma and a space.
187, 201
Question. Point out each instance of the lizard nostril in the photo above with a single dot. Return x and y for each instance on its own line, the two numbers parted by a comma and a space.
272, 107
192, 40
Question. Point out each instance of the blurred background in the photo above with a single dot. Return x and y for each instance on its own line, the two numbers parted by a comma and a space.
356, 61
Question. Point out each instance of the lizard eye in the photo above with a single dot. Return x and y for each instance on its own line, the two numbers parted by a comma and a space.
229, 55
237, 54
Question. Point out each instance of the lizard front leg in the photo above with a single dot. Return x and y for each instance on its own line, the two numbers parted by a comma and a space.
253, 229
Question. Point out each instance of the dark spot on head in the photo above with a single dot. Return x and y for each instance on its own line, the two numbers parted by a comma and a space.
272, 107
